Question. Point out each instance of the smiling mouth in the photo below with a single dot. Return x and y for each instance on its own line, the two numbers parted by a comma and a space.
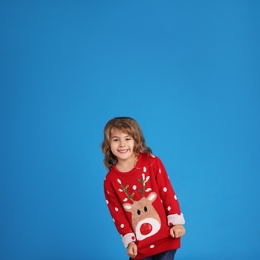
123, 151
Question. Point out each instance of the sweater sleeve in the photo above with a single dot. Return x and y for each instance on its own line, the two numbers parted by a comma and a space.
168, 196
118, 214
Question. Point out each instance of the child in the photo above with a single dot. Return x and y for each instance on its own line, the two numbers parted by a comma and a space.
139, 194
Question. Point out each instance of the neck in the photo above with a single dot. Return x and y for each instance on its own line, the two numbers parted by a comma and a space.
126, 166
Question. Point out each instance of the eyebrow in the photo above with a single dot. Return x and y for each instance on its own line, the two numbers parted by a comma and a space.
115, 136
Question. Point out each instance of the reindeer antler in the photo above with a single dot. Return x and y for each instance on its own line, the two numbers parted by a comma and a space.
143, 181
143, 190
124, 189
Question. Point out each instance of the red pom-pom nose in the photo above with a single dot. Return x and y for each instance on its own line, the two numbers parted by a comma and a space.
146, 228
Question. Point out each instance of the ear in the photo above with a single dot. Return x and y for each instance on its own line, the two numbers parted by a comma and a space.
127, 207
152, 196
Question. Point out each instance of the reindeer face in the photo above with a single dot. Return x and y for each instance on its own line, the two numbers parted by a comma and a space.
145, 219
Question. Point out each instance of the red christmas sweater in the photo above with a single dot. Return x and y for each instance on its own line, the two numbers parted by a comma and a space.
144, 206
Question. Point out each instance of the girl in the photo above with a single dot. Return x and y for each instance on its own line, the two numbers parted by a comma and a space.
139, 194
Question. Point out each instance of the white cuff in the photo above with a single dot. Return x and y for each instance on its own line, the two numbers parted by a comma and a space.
175, 219
128, 238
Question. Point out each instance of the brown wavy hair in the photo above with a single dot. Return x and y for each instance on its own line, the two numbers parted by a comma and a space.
129, 126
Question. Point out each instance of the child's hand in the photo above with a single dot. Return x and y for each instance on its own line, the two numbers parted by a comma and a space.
177, 231
132, 249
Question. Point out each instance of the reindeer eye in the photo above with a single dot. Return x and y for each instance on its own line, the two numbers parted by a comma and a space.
145, 209
138, 212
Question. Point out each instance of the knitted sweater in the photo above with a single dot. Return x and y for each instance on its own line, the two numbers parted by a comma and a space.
144, 206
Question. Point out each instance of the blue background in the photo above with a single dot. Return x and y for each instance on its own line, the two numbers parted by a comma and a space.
187, 71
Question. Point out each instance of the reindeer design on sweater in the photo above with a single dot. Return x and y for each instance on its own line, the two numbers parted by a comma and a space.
145, 219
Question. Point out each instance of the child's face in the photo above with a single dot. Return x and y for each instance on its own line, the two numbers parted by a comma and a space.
122, 145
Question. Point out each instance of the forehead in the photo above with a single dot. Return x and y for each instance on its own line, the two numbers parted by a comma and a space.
118, 132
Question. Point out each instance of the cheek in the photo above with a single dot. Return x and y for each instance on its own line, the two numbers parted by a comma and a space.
112, 147
112, 151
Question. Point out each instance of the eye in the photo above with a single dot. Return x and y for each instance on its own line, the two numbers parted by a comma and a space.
115, 139
138, 212
145, 209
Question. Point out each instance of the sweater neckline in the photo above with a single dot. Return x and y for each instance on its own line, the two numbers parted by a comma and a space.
137, 165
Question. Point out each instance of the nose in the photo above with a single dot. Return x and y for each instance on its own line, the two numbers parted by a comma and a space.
122, 143
146, 228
